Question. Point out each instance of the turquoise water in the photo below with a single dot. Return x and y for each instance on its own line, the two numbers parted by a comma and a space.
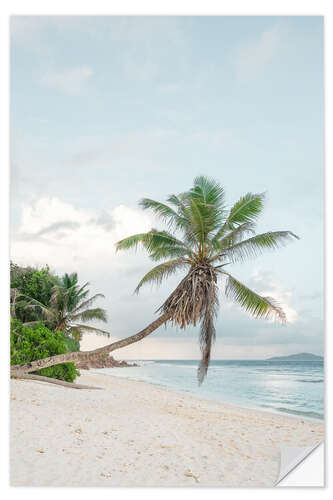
293, 387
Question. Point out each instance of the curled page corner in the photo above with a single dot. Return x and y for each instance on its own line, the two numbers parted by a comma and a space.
291, 457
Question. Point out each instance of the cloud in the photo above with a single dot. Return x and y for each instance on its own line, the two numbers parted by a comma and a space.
58, 225
71, 238
71, 81
79, 239
105, 220
74, 239
251, 57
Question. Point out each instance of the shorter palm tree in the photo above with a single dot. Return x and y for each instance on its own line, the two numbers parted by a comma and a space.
69, 308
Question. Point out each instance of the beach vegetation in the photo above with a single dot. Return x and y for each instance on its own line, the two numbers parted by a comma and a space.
33, 343
33, 283
61, 303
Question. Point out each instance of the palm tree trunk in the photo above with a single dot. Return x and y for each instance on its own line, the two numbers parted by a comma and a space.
75, 357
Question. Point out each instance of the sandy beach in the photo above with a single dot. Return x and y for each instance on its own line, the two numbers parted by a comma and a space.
136, 434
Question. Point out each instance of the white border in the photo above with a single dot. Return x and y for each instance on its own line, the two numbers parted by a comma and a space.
140, 7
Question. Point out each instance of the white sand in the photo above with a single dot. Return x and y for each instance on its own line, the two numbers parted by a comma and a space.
137, 434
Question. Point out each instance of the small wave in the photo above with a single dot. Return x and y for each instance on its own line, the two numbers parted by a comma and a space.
311, 381
141, 362
176, 366
307, 414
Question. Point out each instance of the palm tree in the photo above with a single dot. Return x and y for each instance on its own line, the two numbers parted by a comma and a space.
201, 239
69, 308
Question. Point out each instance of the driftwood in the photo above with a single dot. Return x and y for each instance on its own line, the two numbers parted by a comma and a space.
29, 376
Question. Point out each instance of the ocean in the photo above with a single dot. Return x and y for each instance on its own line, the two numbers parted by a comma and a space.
289, 387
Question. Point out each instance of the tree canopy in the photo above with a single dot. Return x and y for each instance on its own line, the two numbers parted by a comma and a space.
60, 302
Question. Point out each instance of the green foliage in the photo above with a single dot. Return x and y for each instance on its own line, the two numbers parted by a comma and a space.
72, 345
256, 305
158, 273
202, 232
30, 344
33, 283
61, 303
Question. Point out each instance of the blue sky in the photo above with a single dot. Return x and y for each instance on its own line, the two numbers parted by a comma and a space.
106, 110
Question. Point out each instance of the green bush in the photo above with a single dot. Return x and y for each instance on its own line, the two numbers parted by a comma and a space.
31, 282
72, 345
30, 344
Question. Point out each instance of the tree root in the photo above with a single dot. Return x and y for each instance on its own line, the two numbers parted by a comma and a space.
54, 381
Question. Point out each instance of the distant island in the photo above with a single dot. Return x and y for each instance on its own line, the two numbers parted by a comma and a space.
303, 356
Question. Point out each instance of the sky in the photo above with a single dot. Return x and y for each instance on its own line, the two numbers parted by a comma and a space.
107, 110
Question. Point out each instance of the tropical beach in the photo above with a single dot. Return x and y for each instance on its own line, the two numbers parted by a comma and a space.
119, 432
182, 249
136, 434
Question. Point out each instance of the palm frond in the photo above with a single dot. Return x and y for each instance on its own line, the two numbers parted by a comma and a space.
38, 306
87, 303
163, 211
205, 199
75, 333
177, 201
232, 237
162, 239
133, 241
69, 280
254, 304
170, 251
58, 297
208, 191
246, 209
257, 244
90, 314
153, 241
81, 292
158, 273
180, 201
198, 218
92, 329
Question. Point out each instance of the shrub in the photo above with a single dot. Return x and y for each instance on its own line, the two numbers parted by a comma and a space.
30, 344
31, 282
72, 345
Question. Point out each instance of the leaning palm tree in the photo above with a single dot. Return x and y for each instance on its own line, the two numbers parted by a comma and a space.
69, 308
202, 239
